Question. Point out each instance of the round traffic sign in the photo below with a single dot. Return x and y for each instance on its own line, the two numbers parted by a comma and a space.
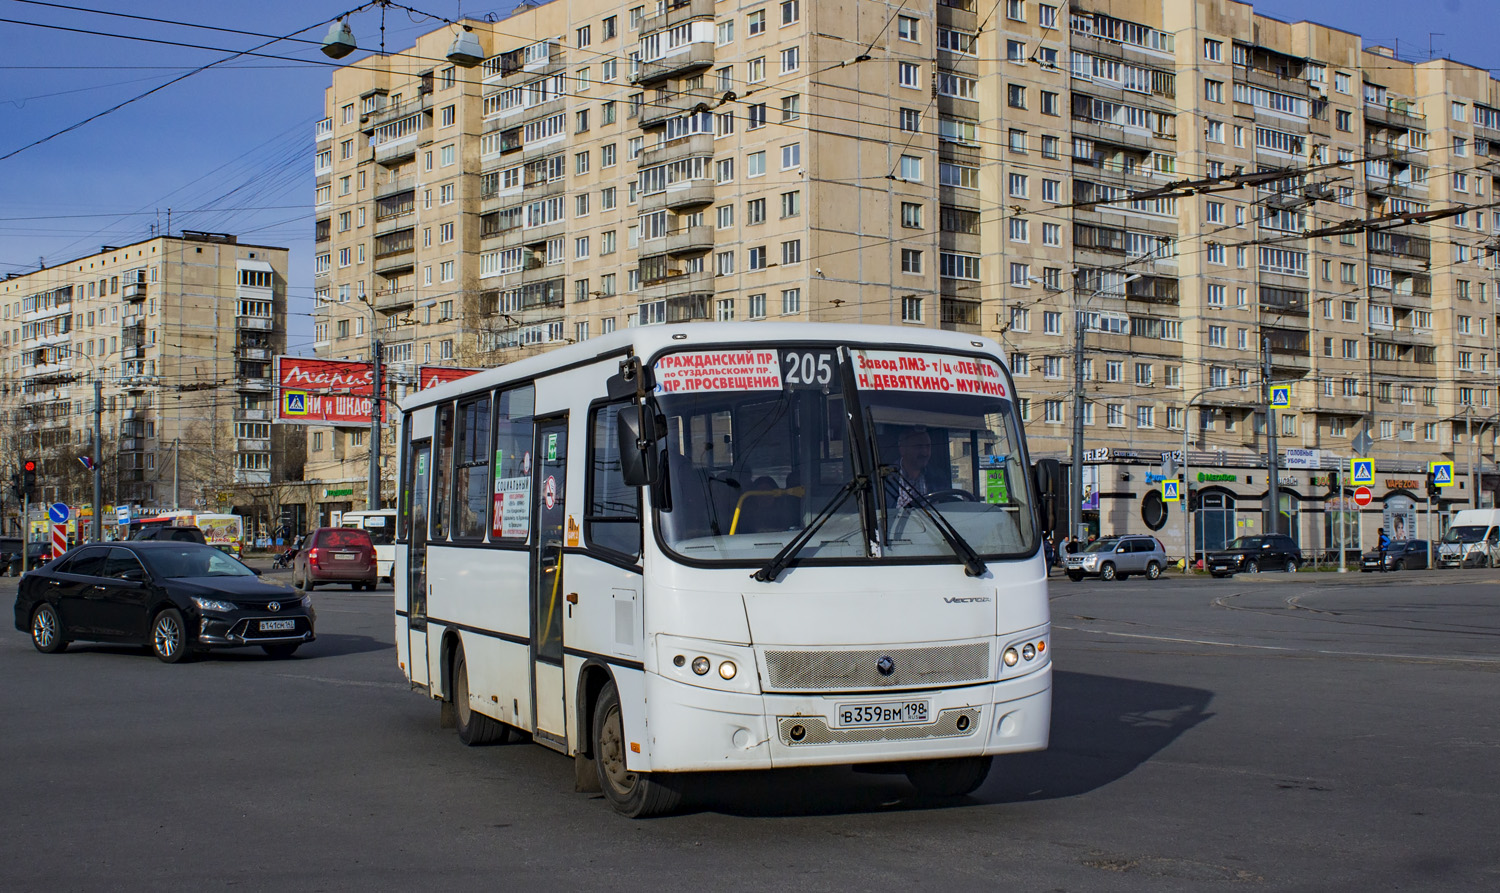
58, 512
1362, 497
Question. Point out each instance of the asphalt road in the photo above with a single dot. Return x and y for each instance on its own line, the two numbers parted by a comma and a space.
1313, 732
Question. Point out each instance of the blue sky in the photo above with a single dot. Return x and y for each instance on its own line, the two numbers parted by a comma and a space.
230, 149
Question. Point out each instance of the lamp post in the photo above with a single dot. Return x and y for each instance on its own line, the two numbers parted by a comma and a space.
1075, 514
372, 485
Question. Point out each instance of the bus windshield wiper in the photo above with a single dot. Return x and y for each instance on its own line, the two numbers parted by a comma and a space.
778, 563
973, 565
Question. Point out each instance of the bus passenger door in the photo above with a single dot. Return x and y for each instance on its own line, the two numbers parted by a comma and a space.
416, 581
550, 486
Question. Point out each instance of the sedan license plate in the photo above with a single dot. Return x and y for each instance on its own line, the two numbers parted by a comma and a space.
887, 713
273, 626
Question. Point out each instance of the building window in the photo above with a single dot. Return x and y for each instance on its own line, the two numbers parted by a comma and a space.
911, 215
908, 74
911, 260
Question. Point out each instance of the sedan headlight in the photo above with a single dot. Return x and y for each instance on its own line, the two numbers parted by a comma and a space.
213, 604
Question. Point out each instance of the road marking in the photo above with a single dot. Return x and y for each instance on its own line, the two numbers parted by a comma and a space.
1384, 655
333, 681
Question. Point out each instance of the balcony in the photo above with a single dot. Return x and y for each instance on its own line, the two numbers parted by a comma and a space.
245, 476
687, 194
129, 444
252, 415
254, 353
134, 291
391, 299
388, 185
696, 57
958, 315
677, 12
657, 111
690, 240
679, 284
255, 323
1396, 114
253, 445
132, 352
389, 113
687, 147
261, 385
323, 130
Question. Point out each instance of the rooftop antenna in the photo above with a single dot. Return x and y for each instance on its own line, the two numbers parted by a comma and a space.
1430, 36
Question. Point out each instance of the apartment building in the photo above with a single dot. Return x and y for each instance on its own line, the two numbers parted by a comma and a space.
1147, 170
181, 332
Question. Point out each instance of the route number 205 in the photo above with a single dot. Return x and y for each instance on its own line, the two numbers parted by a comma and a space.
807, 369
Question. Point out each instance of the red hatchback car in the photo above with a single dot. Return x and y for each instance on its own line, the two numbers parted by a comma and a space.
335, 555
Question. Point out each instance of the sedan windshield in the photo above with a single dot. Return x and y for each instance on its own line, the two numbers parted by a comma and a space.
193, 560
759, 442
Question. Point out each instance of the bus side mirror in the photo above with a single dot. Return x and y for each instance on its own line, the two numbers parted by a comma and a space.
637, 440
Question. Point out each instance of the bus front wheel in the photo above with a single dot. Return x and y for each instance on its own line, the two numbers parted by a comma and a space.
474, 729
633, 794
948, 778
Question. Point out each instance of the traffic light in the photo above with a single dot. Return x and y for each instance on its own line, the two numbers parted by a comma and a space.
1432, 487
28, 477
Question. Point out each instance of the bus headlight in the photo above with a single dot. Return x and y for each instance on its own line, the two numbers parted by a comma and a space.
700, 665
722, 666
727, 669
1011, 656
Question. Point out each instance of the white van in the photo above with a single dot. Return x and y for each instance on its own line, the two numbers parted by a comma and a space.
1472, 540
381, 525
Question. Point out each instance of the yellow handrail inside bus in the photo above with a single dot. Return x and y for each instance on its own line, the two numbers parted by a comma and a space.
788, 491
552, 601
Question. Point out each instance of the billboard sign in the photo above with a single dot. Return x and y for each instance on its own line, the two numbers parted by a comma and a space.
312, 391
432, 376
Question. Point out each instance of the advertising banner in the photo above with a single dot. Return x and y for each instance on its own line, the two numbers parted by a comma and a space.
432, 376
312, 391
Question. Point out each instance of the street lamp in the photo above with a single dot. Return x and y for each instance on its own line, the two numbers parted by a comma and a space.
1075, 515
372, 486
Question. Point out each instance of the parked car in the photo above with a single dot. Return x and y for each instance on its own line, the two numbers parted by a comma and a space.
176, 598
336, 555
172, 534
1253, 554
1400, 555
38, 554
1117, 557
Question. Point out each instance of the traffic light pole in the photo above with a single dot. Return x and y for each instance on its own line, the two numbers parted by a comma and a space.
97, 533
25, 530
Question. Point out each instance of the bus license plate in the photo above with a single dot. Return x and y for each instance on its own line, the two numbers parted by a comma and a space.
888, 713
272, 626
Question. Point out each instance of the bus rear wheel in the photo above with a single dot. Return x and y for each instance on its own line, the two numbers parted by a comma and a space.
633, 794
948, 778
474, 729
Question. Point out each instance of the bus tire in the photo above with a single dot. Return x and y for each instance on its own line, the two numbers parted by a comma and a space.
474, 729
632, 794
948, 778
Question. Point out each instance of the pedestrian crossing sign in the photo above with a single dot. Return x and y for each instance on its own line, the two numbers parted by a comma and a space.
1281, 396
1361, 472
294, 402
1442, 473
1169, 491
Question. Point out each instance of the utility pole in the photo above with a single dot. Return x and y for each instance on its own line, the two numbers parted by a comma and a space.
1473, 448
1275, 492
372, 495
97, 533
176, 478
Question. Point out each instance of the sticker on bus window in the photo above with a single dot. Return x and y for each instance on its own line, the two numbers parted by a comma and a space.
512, 508
996, 487
572, 532
889, 370
729, 370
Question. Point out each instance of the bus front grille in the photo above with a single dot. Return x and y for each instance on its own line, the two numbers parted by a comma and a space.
855, 670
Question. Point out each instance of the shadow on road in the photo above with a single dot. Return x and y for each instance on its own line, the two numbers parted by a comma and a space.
1102, 729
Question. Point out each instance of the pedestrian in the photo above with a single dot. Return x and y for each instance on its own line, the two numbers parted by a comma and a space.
1071, 545
1049, 552
1385, 543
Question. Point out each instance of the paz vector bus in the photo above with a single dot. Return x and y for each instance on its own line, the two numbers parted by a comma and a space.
682, 549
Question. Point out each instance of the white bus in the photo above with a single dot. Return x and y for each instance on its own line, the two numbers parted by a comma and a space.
676, 549
380, 524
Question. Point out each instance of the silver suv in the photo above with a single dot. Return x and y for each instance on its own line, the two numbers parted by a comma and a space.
1117, 557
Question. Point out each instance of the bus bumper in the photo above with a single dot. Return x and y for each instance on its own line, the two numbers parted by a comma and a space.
697, 729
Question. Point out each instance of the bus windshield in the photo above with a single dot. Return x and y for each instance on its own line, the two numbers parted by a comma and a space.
761, 442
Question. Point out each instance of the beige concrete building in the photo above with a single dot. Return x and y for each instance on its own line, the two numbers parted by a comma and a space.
181, 332
1150, 168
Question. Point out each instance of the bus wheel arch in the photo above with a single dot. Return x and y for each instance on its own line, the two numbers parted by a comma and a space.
593, 676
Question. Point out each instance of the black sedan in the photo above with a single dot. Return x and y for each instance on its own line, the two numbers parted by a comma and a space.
176, 598
1400, 555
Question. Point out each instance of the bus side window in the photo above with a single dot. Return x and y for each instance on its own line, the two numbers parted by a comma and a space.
442, 473
510, 517
471, 479
612, 520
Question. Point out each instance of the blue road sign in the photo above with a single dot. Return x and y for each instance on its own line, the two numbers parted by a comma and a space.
1442, 473
1169, 491
58, 512
1281, 396
1361, 471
